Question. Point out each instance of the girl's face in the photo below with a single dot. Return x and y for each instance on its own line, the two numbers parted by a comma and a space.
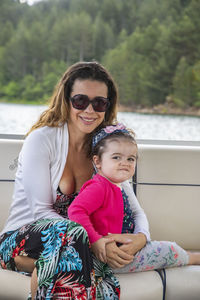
87, 120
118, 161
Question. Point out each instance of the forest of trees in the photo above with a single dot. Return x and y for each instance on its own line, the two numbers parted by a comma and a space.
151, 47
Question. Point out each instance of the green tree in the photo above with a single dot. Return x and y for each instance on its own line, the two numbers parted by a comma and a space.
17, 54
196, 83
32, 90
102, 32
72, 38
6, 33
145, 44
182, 83
51, 73
11, 91
111, 13
138, 63
91, 7
185, 38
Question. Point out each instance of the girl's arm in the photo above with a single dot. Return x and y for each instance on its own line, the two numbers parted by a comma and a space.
88, 201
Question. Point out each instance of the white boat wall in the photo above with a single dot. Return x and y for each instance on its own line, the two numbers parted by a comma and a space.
167, 185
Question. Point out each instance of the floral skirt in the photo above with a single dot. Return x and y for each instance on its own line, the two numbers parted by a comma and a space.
65, 266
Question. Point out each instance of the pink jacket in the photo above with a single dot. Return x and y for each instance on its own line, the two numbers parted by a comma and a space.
98, 208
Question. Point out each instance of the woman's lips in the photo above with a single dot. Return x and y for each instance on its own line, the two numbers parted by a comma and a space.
88, 121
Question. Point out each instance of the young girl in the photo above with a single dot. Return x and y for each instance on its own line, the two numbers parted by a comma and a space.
99, 207
103, 209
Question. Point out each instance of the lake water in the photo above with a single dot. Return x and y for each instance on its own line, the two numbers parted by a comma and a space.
18, 118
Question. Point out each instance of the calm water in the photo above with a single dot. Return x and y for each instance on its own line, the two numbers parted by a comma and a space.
17, 119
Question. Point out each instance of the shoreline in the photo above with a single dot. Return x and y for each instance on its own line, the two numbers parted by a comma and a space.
161, 109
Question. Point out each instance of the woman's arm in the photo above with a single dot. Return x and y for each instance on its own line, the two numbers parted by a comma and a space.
36, 160
129, 245
120, 256
116, 257
140, 219
138, 241
99, 249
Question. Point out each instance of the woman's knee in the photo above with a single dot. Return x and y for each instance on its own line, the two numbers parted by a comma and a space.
24, 263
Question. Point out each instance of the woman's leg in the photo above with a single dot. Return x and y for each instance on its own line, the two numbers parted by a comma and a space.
63, 259
64, 267
27, 264
34, 284
64, 264
107, 285
157, 255
24, 263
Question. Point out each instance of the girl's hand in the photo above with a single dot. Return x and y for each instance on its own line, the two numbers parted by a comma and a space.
99, 248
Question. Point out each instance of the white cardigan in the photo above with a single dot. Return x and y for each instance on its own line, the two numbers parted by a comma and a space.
40, 167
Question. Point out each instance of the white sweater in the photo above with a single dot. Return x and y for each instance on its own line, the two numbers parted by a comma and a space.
40, 167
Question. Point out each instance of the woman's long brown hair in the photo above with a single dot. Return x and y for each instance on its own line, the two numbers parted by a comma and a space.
58, 111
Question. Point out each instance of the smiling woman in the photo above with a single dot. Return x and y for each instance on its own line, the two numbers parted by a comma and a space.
53, 165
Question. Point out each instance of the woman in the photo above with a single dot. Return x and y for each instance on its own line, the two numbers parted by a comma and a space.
53, 165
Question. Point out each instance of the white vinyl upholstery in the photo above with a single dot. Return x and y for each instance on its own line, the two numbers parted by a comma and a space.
172, 210
173, 213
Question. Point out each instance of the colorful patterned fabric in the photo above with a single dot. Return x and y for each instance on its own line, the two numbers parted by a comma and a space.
128, 220
63, 202
61, 248
65, 266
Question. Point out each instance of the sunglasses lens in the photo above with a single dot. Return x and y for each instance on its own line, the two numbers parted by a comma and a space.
100, 104
80, 101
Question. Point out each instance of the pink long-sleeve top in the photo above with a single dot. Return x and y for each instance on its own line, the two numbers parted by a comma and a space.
98, 208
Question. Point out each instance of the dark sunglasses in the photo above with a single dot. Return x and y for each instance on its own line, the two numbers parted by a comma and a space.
99, 104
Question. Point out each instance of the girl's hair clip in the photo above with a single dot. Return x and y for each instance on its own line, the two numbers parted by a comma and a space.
106, 131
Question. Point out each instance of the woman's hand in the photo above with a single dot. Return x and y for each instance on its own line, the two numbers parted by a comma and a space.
138, 242
99, 248
119, 256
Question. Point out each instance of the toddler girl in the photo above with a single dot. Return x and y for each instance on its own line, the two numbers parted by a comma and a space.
103, 208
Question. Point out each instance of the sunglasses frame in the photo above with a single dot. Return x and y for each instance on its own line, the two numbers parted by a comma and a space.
92, 102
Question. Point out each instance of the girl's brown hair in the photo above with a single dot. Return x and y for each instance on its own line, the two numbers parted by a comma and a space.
100, 147
58, 111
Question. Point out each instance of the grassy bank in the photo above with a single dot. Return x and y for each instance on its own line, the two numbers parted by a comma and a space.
162, 109
19, 101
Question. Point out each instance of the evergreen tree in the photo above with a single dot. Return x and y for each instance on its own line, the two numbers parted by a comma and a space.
152, 48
